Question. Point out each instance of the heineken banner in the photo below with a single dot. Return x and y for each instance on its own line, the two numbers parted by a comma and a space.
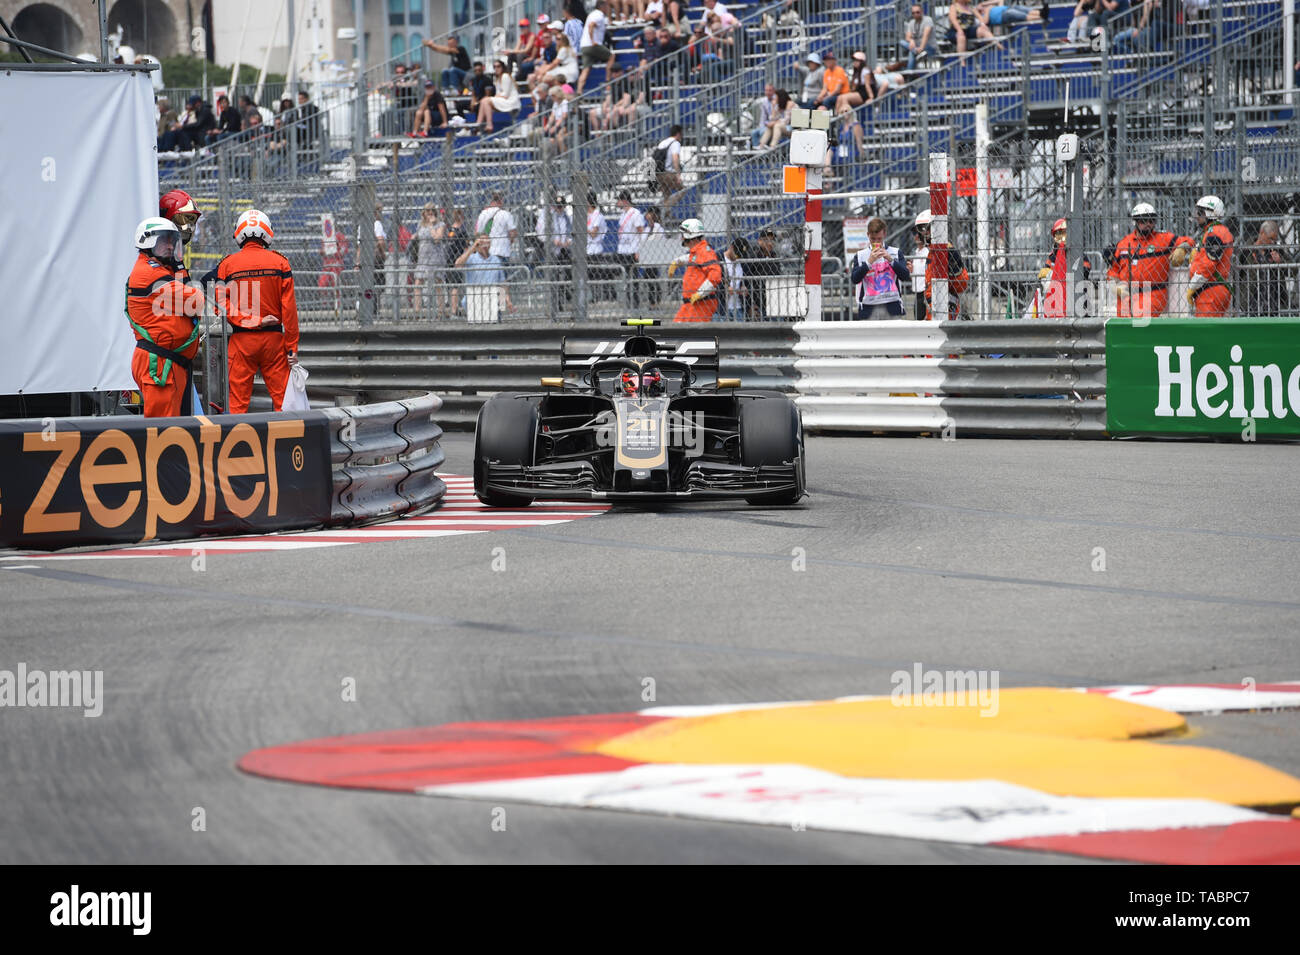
72, 481
1203, 376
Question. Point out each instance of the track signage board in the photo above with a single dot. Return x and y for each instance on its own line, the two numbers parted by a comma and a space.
71, 481
1199, 376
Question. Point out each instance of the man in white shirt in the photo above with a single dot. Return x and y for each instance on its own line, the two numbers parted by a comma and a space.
596, 257
631, 233
381, 253
499, 224
593, 49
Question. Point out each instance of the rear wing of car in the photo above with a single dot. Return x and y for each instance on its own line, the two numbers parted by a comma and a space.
699, 351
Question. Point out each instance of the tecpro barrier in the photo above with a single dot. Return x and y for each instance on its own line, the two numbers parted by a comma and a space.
1196, 376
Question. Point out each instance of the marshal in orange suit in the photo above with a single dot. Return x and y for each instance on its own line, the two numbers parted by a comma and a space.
164, 314
255, 293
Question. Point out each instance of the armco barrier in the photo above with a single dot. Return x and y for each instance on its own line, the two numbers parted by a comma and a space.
999, 377
466, 363
69, 482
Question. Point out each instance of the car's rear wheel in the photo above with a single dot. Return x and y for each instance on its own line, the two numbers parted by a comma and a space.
506, 433
771, 433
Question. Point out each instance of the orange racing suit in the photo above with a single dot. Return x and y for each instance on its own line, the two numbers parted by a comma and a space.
1141, 266
164, 313
1212, 260
255, 293
703, 274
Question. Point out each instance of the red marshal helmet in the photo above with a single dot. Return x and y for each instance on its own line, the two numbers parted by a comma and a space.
180, 209
1058, 225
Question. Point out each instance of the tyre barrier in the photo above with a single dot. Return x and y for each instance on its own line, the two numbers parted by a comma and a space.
995, 377
69, 482
465, 364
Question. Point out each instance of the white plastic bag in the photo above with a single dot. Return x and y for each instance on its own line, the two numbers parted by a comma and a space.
295, 396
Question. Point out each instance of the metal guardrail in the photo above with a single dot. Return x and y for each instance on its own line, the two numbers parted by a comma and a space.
383, 459
995, 377
467, 364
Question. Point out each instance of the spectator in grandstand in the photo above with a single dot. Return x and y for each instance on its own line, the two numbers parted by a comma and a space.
964, 25
727, 21
506, 98
247, 107
229, 121
1005, 14
498, 224
616, 90
575, 18
1104, 10
541, 50
813, 72
380, 256
196, 122
668, 166
1210, 249
779, 127
277, 146
764, 263
602, 286
887, 78
765, 109
631, 233
482, 271
734, 275
919, 39
1078, 31
835, 82
431, 113
712, 50
557, 229
431, 260
879, 273
564, 68
673, 10
654, 12
308, 119
1138, 36
626, 11
1140, 267
591, 48
480, 86
1264, 272
523, 47
556, 126
453, 77
654, 46
862, 86
169, 126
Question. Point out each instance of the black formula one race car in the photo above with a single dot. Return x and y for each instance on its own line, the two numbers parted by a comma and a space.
639, 419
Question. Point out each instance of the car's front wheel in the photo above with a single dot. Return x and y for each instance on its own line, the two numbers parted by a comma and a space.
771, 434
506, 433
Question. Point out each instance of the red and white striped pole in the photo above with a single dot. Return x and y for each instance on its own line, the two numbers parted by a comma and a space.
939, 235
812, 256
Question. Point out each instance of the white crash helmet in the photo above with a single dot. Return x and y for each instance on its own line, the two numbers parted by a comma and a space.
1212, 206
923, 219
253, 224
160, 238
692, 229
1143, 210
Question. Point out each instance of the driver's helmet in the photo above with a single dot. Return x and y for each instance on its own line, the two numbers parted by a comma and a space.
652, 382
630, 382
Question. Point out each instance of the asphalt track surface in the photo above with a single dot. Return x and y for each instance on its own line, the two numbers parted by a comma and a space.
968, 554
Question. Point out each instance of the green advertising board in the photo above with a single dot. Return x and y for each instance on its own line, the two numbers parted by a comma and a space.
1201, 376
